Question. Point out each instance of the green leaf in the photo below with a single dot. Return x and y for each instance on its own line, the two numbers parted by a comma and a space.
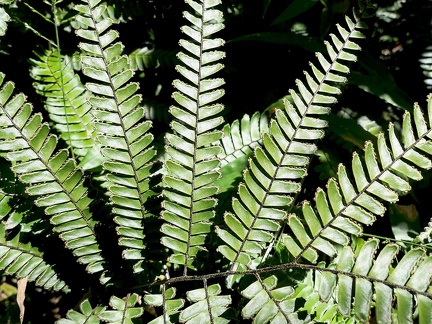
4, 19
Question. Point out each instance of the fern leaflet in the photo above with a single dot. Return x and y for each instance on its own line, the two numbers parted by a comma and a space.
267, 301
124, 310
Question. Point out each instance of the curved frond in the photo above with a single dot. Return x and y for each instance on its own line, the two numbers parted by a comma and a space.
51, 177
207, 305
238, 142
66, 100
124, 138
22, 260
275, 172
144, 58
241, 137
348, 289
193, 147
382, 176
20, 218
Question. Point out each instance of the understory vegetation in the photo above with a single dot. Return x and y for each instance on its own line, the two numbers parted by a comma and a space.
215, 161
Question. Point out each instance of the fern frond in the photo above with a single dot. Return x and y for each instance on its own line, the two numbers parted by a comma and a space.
207, 305
22, 260
193, 148
144, 58
238, 142
125, 141
426, 66
171, 307
275, 172
19, 219
272, 300
346, 290
241, 137
51, 177
345, 205
66, 100
400, 291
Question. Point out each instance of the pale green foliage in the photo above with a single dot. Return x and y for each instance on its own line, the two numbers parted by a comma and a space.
66, 100
279, 262
123, 312
193, 165
50, 176
4, 19
124, 141
23, 260
274, 175
206, 306
241, 137
238, 142
171, 305
370, 279
87, 314
267, 302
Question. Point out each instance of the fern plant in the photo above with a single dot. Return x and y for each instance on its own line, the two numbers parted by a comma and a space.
210, 228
